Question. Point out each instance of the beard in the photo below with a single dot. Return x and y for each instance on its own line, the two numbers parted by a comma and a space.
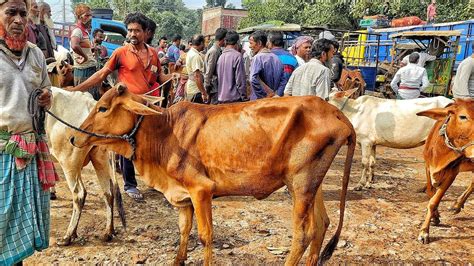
48, 21
35, 19
15, 44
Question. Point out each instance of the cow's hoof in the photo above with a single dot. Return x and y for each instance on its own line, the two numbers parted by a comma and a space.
424, 237
435, 221
455, 209
107, 237
179, 262
368, 186
64, 242
358, 188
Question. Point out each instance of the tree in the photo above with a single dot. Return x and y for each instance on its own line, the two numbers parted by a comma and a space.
346, 14
214, 3
230, 5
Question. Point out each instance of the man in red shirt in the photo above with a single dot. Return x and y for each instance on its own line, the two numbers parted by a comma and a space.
139, 68
431, 12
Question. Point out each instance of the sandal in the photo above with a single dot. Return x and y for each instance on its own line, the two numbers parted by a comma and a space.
134, 193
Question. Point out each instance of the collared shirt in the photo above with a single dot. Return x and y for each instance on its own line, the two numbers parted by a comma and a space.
231, 76
300, 60
86, 48
411, 76
313, 78
463, 85
210, 60
138, 76
424, 57
173, 53
289, 64
194, 62
18, 79
266, 67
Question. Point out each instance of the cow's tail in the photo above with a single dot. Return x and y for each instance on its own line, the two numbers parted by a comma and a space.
116, 190
331, 246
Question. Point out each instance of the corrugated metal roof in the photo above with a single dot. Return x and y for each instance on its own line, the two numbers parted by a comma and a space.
422, 34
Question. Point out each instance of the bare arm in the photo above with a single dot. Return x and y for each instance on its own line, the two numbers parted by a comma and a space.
76, 47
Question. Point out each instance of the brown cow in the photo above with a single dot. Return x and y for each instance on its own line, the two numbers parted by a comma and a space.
194, 153
449, 150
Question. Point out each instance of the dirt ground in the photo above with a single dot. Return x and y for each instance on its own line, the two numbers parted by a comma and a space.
381, 224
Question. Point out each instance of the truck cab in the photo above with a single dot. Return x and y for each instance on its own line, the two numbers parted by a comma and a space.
115, 31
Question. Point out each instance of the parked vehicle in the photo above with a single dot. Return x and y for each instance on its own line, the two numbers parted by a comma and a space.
115, 31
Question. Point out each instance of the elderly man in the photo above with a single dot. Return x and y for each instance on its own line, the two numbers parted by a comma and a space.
313, 78
46, 28
463, 86
26, 169
210, 62
85, 64
412, 79
301, 49
266, 72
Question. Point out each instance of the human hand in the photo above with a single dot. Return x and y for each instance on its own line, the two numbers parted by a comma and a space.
205, 98
81, 59
44, 100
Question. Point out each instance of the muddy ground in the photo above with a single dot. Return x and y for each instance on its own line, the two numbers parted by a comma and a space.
381, 224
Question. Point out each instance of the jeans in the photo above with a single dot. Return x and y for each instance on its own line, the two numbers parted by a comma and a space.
128, 173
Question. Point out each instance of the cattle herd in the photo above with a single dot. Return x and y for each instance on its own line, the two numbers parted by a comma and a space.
193, 153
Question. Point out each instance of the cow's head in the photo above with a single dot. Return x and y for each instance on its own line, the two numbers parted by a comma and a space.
460, 127
337, 98
116, 113
65, 75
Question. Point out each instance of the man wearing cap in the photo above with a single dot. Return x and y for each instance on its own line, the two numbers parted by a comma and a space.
301, 49
26, 168
84, 60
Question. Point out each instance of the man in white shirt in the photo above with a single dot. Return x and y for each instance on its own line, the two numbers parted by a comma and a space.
412, 78
463, 83
424, 57
313, 78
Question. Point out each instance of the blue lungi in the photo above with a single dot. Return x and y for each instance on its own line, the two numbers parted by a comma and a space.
24, 211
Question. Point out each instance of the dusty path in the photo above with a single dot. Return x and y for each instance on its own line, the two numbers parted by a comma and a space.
381, 224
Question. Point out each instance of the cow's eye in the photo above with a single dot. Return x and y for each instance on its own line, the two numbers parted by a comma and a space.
463, 117
102, 109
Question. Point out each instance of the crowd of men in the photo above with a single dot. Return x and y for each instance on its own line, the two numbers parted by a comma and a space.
221, 74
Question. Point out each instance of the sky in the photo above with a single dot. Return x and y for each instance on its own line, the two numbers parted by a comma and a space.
57, 7
194, 4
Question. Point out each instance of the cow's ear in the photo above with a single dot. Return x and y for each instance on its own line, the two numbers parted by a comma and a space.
121, 88
152, 99
436, 113
139, 108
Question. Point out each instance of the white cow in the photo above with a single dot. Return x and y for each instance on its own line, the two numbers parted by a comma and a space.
386, 122
74, 107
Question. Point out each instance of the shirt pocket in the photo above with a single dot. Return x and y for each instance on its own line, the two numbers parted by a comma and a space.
34, 74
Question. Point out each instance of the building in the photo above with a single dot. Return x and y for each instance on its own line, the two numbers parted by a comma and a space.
217, 17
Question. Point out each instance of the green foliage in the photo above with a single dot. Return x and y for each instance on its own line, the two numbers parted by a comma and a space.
214, 3
346, 14
171, 16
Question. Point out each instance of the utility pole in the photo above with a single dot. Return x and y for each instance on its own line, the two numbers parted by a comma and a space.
64, 11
